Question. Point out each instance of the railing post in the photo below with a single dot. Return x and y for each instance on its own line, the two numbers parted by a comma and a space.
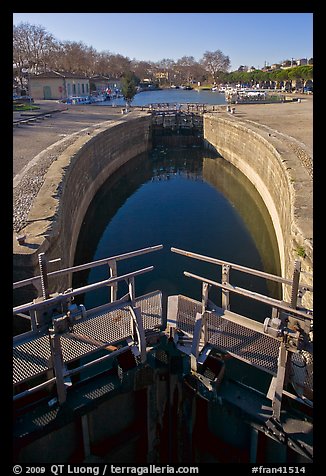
131, 289
58, 365
44, 275
114, 286
295, 284
33, 320
138, 332
280, 380
197, 338
205, 289
225, 280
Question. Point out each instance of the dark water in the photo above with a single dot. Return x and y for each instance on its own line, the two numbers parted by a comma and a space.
190, 199
171, 95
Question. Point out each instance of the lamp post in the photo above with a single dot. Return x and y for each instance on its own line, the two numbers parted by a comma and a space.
29, 88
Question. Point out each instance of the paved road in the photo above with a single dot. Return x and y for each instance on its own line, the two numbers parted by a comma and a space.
30, 139
294, 119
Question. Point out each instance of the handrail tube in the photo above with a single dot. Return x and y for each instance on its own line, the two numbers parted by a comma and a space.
93, 264
96, 361
34, 389
83, 289
251, 295
70, 372
238, 267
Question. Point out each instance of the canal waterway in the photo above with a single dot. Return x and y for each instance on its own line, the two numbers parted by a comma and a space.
181, 96
188, 198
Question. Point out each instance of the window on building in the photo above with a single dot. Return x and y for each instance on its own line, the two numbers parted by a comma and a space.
83, 88
74, 89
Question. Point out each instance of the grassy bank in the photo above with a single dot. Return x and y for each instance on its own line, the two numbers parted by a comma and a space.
24, 107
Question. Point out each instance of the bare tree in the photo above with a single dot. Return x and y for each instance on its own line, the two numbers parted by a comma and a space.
215, 62
118, 65
102, 63
32, 48
54, 57
186, 66
143, 69
167, 66
77, 57
36, 50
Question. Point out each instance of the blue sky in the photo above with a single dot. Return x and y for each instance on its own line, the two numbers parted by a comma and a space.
247, 38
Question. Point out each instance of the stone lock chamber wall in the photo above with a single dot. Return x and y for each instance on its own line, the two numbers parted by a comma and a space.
74, 178
281, 180
71, 183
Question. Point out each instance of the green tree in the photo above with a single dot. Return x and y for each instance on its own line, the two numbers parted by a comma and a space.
300, 74
129, 86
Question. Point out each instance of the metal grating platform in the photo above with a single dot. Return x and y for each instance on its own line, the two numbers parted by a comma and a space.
255, 348
245, 344
106, 327
186, 316
32, 357
151, 310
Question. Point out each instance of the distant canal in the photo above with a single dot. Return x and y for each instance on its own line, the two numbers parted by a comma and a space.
171, 95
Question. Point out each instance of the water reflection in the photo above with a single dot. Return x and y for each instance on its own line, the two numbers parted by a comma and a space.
245, 198
187, 198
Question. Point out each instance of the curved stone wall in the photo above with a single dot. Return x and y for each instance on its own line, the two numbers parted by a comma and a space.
56, 217
55, 220
284, 184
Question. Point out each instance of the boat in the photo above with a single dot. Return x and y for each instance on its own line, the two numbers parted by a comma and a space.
78, 100
98, 98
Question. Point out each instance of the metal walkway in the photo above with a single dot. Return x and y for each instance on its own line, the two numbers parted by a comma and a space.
32, 356
62, 332
282, 346
251, 346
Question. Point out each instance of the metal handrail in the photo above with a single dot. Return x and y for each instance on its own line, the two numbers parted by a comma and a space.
238, 267
90, 287
250, 294
51, 301
93, 264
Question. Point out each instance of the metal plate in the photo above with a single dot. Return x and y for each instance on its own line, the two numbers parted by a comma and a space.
302, 373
